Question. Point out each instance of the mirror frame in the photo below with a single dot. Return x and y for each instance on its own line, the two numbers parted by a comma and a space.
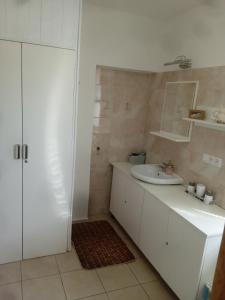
194, 102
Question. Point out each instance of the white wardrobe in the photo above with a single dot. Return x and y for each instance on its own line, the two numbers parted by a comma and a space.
37, 89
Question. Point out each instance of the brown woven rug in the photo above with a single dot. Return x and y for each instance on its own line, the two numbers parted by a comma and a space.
98, 245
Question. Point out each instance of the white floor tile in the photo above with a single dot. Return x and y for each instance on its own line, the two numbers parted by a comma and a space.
10, 273
39, 267
143, 271
68, 261
11, 292
46, 288
80, 284
158, 290
116, 277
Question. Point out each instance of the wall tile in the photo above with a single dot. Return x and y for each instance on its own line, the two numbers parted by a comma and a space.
120, 125
101, 125
188, 157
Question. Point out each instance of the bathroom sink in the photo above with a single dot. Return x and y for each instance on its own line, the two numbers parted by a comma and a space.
154, 174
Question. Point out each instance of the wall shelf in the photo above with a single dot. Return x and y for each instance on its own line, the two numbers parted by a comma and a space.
207, 124
171, 136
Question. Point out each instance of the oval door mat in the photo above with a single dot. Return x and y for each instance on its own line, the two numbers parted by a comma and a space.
98, 245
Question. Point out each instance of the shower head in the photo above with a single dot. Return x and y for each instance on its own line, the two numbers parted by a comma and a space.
182, 61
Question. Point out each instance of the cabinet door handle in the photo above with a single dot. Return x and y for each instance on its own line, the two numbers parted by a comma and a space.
25, 151
17, 151
167, 243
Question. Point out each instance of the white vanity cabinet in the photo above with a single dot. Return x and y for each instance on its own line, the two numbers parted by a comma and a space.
185, 254
179, 235
126, 203
153, 232
173, 246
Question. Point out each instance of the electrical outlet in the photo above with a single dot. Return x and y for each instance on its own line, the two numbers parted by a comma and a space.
212, 160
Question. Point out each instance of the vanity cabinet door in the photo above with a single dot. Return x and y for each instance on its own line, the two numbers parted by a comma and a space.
118, 198
133, 209
153, 233
185, 251
126, 203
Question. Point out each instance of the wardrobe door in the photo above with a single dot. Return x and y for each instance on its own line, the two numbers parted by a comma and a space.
48, 121
10, 164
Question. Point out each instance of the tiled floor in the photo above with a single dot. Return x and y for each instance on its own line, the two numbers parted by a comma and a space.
61, 277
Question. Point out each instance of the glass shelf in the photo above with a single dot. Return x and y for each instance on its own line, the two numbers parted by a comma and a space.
171, 136
206, 123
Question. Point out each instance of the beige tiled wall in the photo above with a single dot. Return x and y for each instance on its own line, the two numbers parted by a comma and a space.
128, 106
119, 127
188, 156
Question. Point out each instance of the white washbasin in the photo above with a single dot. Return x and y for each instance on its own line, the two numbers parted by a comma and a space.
154, 174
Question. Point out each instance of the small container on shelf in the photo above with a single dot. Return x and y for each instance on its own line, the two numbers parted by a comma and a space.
219, 116
197, 114
137, 158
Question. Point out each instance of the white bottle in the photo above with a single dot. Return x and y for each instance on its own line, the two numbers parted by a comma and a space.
200, 190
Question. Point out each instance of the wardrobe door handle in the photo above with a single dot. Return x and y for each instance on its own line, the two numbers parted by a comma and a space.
17, 151
25, 152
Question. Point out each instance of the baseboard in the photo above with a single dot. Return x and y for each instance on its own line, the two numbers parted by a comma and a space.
79, 220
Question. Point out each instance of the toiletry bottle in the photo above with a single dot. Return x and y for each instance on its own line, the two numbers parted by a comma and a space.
209, 198
169, 168
191, 187
200, 190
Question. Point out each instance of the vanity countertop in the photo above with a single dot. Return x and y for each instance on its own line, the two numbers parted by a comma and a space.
209, 219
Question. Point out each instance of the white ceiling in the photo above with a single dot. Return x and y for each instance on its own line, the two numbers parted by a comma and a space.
160, 9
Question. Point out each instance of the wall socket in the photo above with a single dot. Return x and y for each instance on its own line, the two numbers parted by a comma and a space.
212, 160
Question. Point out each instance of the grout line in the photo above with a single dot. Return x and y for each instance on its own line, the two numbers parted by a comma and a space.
87, 297
152, 280
144, 291
120, 289
21, 282
8, 283
100, 280
60, 276
133, 274
64, 289
76, 270
40, 277
124, 288
57, 265
58, 268
108, 292
21, 286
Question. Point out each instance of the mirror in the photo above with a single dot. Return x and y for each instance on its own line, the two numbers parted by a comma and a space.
180, 97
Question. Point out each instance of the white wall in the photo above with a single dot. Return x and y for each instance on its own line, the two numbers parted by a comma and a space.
115, 39
198, 34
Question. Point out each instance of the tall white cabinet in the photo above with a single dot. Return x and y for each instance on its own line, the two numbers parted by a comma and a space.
10, 164
48, 107
45, 22
37, 89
